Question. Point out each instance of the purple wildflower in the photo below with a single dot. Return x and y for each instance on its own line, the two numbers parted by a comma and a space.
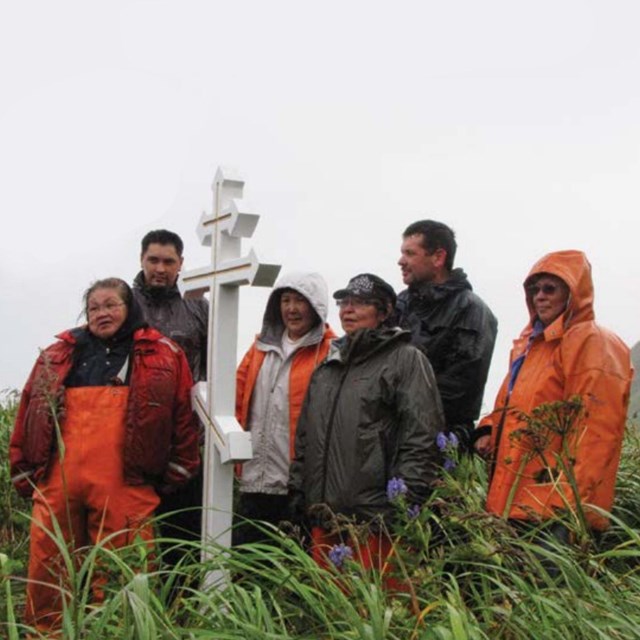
442, 441
396, 488
453, 440
413, 511
449, 464
339, 553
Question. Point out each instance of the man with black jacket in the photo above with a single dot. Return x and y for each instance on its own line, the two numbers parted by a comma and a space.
185, 321
448, 321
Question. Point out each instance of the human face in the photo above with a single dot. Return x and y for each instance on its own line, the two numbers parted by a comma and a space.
106, 312
161, 265
417, 264
297, 314
549, 296
357, 313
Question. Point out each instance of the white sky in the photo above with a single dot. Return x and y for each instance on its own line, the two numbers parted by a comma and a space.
516, 123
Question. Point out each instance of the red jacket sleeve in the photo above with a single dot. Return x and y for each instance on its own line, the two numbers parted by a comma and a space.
185, 450
21, 472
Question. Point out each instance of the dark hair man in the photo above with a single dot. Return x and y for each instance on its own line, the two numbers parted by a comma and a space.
155, 288
185, 321
449, 322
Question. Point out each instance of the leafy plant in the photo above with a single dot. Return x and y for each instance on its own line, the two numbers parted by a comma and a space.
463, 574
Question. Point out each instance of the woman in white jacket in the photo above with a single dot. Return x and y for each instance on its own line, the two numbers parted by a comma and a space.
272, 381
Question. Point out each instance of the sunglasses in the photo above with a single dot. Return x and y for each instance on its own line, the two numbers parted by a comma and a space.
547, 288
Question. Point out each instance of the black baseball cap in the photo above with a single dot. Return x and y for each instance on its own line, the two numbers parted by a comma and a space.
368, 285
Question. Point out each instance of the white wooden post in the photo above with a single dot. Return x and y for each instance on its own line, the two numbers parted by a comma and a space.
214, 400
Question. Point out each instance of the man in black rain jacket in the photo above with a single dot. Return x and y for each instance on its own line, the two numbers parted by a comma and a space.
447, 321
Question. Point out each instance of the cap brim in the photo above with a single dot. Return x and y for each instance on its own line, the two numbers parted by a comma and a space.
341, 293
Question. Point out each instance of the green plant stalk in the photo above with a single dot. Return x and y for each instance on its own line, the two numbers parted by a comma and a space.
6, 578
514, 487
569, 474
61, 453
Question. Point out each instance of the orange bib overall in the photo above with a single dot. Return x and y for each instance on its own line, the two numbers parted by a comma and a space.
84, 491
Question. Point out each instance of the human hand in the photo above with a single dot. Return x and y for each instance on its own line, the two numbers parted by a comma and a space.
483, 446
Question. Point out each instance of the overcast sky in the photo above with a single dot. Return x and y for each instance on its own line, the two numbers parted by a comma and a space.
516, 123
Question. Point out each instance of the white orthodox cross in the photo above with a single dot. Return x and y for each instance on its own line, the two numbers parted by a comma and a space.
214, 400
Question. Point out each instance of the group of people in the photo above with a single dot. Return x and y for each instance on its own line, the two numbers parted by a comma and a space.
333, 420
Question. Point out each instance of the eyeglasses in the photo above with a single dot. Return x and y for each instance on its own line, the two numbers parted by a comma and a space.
547, 288
354, 302
109, 307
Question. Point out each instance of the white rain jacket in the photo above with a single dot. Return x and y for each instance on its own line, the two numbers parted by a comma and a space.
268, 382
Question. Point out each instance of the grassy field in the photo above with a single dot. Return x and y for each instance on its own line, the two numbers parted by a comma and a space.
465, 574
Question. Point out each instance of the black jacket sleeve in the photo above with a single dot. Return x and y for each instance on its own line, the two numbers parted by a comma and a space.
417, 459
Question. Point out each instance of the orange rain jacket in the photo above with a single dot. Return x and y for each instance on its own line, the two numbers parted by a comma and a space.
573, 356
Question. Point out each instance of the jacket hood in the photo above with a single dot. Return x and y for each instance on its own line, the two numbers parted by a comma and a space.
308, 284
573, 268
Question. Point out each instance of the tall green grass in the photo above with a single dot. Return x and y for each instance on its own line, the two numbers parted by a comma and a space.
14, 525
466, 573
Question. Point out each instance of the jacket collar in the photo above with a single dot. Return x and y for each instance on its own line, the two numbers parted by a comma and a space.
157, 295
271, 340
432, 292
365, 343
573, 268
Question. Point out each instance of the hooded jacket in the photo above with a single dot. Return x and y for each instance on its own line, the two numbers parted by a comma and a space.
572, 356
270, 388
183, 320
372, 413
161, 442
457, 332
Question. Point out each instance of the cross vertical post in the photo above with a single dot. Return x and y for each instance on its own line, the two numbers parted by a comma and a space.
214, 400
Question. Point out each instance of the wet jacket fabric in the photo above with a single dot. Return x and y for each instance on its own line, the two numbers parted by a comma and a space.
457, 332
161, 435
571, 357
372, 413
270, 387
183, 320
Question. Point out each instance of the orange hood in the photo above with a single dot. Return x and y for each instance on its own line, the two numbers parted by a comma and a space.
575, 270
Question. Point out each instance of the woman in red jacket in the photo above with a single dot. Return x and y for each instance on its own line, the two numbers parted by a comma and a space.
104, 425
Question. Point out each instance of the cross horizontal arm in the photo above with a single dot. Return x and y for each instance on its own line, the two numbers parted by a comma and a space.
237, 222
236, 271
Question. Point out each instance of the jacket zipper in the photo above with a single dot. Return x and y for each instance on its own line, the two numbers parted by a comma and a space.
325, 455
